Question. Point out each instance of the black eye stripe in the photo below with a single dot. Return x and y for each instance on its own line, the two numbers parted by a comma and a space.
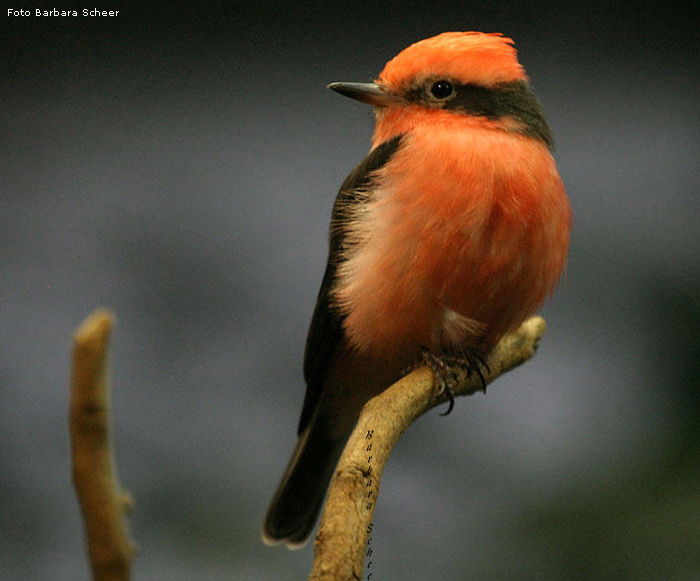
515, 100
510, 99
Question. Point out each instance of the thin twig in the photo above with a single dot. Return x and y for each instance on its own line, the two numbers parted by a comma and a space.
102, 500
342, 537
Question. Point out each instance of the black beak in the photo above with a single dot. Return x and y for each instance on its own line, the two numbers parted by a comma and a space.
369, 93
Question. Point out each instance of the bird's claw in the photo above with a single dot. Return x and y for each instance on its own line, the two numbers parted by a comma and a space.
446, 369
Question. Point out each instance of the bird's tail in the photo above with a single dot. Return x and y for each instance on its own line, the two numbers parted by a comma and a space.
297, 502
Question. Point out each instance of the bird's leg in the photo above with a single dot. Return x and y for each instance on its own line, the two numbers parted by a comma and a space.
446, 368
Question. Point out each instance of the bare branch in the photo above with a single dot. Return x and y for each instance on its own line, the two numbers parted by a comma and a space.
102, 500
344, 530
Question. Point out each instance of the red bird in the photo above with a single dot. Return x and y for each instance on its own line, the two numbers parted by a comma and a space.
449, 234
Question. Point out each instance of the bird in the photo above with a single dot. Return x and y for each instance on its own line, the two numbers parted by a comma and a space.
450, 233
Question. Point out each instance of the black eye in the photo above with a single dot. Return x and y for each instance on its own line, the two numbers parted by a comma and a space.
441, 89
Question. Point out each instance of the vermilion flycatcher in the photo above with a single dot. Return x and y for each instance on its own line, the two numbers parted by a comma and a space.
449, 234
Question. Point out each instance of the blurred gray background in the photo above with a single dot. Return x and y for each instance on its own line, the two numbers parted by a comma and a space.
178, 164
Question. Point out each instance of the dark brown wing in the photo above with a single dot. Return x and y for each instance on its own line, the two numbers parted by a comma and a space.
326, 328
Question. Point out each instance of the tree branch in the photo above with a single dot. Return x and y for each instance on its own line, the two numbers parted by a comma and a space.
102, 500
344, 530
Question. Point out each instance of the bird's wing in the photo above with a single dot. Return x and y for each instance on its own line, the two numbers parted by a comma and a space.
326, 329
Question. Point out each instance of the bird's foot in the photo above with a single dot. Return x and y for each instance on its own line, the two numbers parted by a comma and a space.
447, 368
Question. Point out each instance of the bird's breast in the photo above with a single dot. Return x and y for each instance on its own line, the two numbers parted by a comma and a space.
461, 238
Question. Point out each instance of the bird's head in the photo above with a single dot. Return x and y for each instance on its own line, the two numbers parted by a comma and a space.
474, 75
